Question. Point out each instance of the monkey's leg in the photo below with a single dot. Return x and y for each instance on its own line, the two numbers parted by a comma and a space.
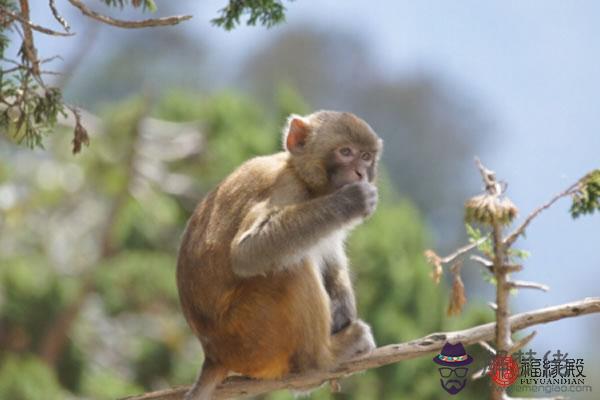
211, 375
354, 340
339, 288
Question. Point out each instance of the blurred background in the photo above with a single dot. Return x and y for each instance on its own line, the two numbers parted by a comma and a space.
88, 304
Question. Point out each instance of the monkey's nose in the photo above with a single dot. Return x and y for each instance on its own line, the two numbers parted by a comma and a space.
360, 174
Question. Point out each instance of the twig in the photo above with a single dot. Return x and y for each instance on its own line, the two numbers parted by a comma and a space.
522, 343
528, 285
236, 386
166, 21
480, 373
489, 178
33, 26
59, 17
487, 347
510, 239
489, 265
463, 250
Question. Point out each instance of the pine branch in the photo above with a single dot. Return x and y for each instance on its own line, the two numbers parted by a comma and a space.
242, 387
166, 21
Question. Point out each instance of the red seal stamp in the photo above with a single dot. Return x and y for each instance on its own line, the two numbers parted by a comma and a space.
504, 370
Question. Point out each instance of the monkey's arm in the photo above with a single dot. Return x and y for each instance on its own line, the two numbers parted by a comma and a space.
272, 238
276, 237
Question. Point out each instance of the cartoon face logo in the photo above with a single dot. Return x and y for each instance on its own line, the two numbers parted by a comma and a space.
453, 371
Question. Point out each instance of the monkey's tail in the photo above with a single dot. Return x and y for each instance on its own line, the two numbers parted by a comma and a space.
204, 388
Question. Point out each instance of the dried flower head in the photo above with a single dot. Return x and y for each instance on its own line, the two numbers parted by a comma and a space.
490, 209
436, 262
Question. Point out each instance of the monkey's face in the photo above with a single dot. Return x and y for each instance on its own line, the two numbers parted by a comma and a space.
350, 163
330, 149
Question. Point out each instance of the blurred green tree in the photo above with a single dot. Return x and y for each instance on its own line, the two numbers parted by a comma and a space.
87, 291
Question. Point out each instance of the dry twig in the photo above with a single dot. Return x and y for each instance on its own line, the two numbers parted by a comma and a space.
33, 26
146, 23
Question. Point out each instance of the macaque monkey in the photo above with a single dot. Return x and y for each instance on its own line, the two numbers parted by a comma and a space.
262, 273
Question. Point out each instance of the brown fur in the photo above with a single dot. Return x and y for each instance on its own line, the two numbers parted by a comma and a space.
248, 288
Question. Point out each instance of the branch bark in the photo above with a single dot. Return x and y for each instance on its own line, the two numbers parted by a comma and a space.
28, 48
174, 20
243, 387
33, 26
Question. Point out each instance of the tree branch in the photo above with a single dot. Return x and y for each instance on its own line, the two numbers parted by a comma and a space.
33, 26
28, 48
510, 239
59, 17
242, 387
166, 21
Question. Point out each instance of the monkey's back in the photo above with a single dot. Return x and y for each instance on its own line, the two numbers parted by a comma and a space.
251, 325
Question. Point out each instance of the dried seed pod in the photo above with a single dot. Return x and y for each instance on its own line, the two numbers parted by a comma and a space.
489, 209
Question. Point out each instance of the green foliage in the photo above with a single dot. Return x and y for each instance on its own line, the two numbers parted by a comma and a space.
107, 384
265, 12
32, 296
31, 110
475, 235
28, 378
135, 281
587, 199
154, 361
235, 127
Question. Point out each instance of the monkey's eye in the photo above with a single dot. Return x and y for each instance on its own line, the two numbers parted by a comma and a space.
346, 151
366, 156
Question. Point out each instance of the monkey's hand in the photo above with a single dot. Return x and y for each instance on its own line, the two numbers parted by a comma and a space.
356, 200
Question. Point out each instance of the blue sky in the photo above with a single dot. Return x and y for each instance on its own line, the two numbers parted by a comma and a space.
533, 66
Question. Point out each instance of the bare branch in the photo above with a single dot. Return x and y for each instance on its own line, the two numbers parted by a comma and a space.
489, 265
238, 386
59, 17
489, 178
487, 347
510, 239
483, 261
166, 21
31, 25
522, 343
28, 48
479, 374
463, 250
528, 285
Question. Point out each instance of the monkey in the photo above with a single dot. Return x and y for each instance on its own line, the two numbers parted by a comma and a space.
262, 274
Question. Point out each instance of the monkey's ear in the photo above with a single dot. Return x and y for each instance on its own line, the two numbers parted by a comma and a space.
296, 134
